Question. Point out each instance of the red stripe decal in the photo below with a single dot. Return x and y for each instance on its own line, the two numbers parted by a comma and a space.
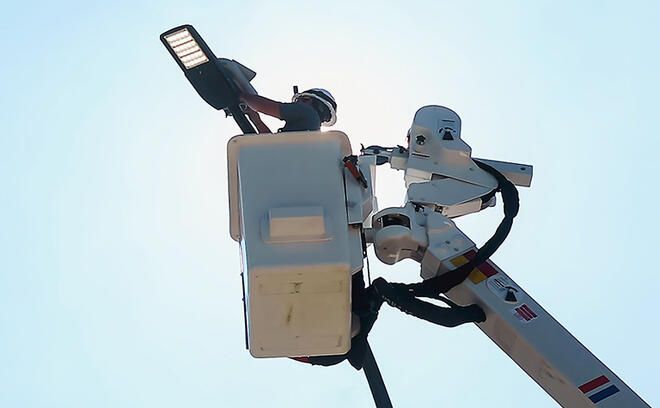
593, 384
470, 255
524, 313
528, 310
487, 269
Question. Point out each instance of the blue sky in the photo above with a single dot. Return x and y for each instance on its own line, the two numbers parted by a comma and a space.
119, 281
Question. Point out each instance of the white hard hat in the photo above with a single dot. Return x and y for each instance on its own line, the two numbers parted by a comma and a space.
325, 98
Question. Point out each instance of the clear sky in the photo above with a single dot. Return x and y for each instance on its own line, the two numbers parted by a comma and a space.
119, 282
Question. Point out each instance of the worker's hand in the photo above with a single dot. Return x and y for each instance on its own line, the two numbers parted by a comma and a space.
256, 120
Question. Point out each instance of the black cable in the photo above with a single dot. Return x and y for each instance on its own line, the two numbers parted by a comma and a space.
368, 271
443, 283
375, 380
245, 323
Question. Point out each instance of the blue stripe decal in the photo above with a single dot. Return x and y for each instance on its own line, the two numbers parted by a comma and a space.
601, 395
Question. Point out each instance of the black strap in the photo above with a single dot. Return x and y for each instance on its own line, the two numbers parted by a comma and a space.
375, 380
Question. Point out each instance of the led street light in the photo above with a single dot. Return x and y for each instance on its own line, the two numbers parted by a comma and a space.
186, 48
218, 81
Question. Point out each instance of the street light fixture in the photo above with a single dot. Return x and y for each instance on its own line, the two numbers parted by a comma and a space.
218, 81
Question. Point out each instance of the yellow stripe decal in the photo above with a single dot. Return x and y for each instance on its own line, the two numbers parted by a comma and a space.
475, 276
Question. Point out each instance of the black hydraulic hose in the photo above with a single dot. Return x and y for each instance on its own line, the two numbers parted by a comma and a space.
405, 301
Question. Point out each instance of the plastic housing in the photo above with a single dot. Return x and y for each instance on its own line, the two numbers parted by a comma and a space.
288, 212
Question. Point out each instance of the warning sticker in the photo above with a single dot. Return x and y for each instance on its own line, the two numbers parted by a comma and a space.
480, 274
504, 288
524, 313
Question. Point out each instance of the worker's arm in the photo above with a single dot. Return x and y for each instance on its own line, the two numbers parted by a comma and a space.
256, 120
263, 105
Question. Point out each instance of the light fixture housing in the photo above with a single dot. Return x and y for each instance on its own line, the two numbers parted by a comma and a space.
218, 81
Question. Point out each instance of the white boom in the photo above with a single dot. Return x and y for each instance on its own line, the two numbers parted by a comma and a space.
540, 345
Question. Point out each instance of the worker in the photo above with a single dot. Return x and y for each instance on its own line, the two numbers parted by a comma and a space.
308, 110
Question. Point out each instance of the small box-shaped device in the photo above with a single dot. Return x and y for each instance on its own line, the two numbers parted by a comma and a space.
288, 212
